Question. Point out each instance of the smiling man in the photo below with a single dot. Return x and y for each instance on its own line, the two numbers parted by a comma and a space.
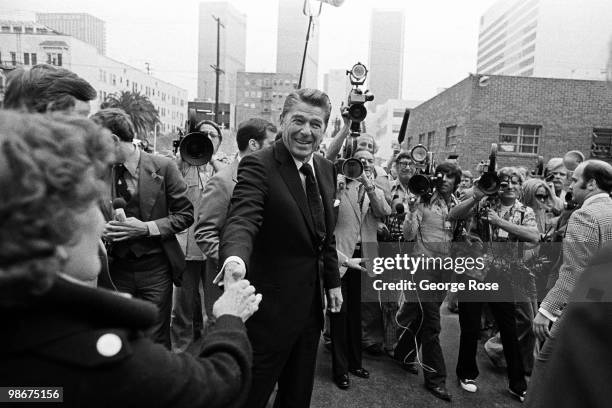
280, 233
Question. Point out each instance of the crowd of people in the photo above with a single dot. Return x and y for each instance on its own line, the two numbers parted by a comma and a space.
123, 273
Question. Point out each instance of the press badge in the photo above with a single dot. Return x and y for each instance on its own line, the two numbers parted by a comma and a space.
502, 233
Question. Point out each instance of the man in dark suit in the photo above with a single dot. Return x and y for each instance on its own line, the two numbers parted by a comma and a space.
146, 257
211, 211
280, 231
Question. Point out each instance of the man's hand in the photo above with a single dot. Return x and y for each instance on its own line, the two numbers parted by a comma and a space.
355, 263
344, 113
232, 273
412, 203
239, 299
116, 231
541, 324
334, 299
493, 218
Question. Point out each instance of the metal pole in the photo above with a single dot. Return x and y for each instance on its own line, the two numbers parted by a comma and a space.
217, 69
155, 139
305, 52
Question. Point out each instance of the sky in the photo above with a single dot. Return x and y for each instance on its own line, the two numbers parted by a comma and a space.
440, 45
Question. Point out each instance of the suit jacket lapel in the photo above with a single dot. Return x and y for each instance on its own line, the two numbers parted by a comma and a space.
290, 175
149, 182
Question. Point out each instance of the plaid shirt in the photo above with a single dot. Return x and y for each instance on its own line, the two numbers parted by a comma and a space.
588, 229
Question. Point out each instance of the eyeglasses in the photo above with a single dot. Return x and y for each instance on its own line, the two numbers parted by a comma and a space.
403, 164
541, 196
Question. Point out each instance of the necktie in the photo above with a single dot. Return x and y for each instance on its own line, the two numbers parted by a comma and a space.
121, 189
314, 200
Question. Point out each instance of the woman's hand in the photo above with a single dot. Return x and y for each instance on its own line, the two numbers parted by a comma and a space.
238, 299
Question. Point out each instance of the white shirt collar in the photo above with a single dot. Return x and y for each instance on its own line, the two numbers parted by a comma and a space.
299, 163
593, 198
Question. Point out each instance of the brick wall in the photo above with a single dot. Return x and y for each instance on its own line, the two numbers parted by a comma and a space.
566, 110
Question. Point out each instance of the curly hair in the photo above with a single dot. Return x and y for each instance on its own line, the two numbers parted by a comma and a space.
51, 169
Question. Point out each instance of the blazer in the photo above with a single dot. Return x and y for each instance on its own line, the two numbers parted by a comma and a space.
588, 230
92, 343
212, 209
162, 193
355, 221
269, 226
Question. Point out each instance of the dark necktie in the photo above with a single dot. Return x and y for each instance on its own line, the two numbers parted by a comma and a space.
314, 200
121, 189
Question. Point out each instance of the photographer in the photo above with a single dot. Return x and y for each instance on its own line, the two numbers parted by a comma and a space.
503, 223
362, 206
428, 223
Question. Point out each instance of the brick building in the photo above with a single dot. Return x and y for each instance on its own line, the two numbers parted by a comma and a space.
525, 116
262, 95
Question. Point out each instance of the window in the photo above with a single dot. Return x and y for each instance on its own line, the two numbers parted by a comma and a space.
13, 58
33, 58
56, 59
422, 138
29, 30
601, 145
451, 137
16, 29
430, 139
6, 29
519, 138
26, 58
398, 113
40, 30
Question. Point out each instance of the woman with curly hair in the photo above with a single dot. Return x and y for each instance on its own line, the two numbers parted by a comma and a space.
58, 328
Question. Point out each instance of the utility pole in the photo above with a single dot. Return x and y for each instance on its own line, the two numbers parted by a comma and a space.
148, 68
218, 70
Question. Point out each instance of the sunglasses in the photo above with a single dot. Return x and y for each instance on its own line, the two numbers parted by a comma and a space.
541, 196
403, 164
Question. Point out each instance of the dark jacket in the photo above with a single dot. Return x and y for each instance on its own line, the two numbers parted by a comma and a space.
269, 226
90, 342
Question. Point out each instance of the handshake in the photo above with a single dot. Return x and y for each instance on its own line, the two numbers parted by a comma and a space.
239, 298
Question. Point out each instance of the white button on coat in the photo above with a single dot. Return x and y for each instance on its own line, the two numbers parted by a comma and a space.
109, 344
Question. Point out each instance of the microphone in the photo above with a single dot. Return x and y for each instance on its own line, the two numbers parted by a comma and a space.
118, 206
400, 211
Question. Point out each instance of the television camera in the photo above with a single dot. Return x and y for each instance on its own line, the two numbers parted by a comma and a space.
356, 111
423, 182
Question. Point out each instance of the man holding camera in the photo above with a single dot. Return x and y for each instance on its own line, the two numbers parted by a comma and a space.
504, 223
428, 224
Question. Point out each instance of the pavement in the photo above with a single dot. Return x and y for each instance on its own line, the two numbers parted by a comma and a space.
390, 386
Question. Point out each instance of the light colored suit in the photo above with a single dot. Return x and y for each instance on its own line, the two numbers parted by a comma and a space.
355, 221
211, 212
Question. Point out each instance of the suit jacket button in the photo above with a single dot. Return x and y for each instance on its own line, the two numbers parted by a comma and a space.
109, 344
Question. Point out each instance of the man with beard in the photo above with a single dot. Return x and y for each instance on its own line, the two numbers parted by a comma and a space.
505, 224
280, 230
429, 225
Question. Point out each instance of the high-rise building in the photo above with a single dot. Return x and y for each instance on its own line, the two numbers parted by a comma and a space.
386, 55
545, 38
232, 50
291, 35
85, 27
337, 86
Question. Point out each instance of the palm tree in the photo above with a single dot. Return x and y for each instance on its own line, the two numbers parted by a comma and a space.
140, 109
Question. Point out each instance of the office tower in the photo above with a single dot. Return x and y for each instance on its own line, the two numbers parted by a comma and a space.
85, 27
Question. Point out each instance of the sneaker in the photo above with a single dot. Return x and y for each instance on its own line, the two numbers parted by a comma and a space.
518, 395
468, 385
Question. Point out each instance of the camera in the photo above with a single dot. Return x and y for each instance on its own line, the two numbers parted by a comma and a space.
489, 183
357, 98
196, 147
348, 166
424, 182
